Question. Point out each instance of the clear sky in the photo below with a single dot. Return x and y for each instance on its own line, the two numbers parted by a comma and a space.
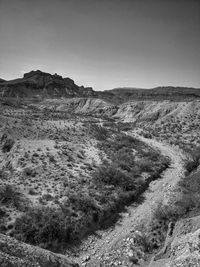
103, 43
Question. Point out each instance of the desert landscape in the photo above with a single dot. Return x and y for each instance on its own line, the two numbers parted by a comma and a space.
100, 182
100, 133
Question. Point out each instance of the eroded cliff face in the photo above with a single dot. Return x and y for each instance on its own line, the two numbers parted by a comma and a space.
141, 112
43, 85
77, 105
152, 111
182, 247
17, 254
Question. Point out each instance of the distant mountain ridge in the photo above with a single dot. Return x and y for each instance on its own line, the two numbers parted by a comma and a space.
158, 93
42, 85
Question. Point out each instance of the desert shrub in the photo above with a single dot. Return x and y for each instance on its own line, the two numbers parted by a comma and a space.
190, 187
82, 202
30, 171
109, 124
144, 165
47, 197
45, 227
11, 102
112, 174
99, 132
2, 174
164, 213
55, 228
9, 195
8, 144
32, 192
126, 126
191, 165
3, 215
147, 135
184, 203
121, 141
194, 162
152, 154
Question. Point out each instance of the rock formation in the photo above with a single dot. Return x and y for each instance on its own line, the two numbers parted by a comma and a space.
42, 85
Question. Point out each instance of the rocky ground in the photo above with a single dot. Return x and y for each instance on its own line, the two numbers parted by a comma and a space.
45, 155
175, 121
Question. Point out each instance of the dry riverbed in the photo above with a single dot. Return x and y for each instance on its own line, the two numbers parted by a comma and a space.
105, 248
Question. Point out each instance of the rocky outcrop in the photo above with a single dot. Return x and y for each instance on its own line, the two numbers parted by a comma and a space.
17, 254
183, 247
42, 85
185, 250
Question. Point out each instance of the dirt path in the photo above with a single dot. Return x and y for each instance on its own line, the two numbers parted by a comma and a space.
95, 247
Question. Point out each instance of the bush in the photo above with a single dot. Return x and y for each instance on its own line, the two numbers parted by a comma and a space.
99, 132
45, 227
8, 143
190, 187
82, 202
55, 228
164, 213
126, 126
9, 195
194, 162
112, 174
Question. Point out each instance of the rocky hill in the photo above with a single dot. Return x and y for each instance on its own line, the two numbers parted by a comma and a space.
42, 85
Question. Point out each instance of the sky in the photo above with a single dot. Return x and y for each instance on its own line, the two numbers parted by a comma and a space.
103, 43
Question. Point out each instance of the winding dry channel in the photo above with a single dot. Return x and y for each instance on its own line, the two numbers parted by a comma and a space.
96, 246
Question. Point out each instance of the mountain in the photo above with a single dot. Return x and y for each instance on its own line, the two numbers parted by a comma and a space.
40, 84
120, 95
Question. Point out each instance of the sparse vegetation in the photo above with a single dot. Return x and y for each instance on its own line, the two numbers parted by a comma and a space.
83, 199
45, 227
79, 172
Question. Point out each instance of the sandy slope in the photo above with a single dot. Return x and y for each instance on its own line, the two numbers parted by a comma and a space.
95, 249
